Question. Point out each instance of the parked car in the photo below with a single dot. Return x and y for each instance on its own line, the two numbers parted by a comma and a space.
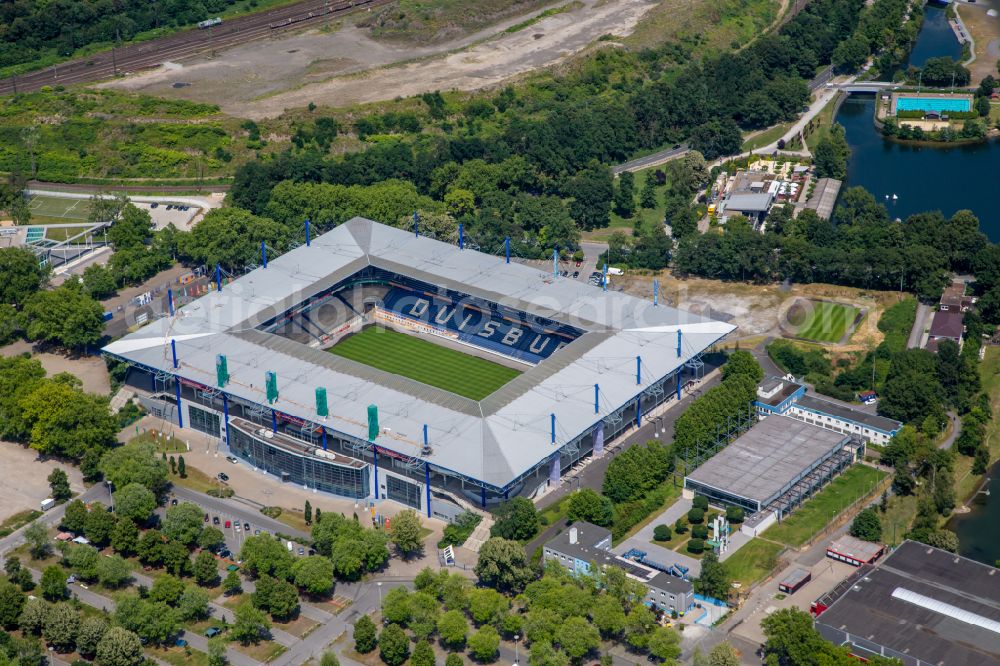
232, 459
223, 476
246, 526
170, 206
228, 524
237, 526
576, 274
206, 517
212, 632
215, 520
71, 579
256, 532
302, 551
173, 502
154, 205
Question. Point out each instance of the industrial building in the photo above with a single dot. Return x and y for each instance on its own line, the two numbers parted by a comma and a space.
789, 398
247, 363
584, 545
854, 551
772, 468
921, 605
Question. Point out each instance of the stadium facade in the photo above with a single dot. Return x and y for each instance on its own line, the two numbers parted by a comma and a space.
247, 364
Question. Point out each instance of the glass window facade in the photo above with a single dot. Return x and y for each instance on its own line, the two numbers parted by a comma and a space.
402, 491
312, 472
205, 421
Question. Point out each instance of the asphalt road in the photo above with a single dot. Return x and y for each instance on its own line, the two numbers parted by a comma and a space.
52, 517
155, 52
919, 324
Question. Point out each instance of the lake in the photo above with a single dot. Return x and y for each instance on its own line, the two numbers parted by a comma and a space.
936, 38
979, 531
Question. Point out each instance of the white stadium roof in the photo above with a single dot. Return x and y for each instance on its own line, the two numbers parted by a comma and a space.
495, 440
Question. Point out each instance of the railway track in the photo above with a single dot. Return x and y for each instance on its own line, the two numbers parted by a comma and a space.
177, 46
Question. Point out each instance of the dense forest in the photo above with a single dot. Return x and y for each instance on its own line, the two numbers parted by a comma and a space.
31, 30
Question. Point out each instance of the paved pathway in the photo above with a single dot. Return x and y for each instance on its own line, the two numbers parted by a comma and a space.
920, 322
51, 518
661, 554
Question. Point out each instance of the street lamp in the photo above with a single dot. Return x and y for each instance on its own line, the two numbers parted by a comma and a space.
110, 494
516, 659
379, 594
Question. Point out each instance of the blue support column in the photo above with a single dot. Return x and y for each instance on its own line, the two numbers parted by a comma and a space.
553, 427
597, 398
482, 496
218, 277
678, 384
461, 236
656, 292
426, 441
604, 278
274, 421
225, 415
173, 352
170, 301
308, 243
263, 254
180, 410
378, 495
678, 343
416, 224
638, 411
427, 485
555, 262
638, 370
324, 438
506, 248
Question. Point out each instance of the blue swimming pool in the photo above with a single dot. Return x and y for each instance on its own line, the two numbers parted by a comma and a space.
939, 104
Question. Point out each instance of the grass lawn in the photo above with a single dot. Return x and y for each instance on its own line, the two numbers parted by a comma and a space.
821, 508
425, 362
300, 627
821, 124
897, 519
966, 482
753, 561
263, 652
821, 321
678, 543
18, 520
178, 656
768, 136
673, 492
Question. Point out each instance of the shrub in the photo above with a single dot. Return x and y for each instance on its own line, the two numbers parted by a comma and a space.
696, 516
696, 546
221, 492
700, 502
661, 533
734, 514
271, 511
680, 526
699, 532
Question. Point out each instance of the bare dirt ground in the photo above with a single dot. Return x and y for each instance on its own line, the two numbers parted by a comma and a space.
986, 33
759, 310
25, 482
89, 369
344, 67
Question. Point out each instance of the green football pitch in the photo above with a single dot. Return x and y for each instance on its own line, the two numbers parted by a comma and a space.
822, 321
57, 210
425, 362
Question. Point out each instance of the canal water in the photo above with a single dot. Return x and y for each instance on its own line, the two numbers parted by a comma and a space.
936, 38
979, 530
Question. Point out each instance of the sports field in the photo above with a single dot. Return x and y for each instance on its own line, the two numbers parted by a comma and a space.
821, 321
57, 210
425, 362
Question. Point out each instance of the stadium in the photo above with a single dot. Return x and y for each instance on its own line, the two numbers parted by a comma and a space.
372, 362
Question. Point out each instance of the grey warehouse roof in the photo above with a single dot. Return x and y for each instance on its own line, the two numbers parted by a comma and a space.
495, 440
925, 603
749, 203
763, 461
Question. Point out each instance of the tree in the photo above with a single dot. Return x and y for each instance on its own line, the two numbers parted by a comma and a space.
99, 525
577, 637
12, 602
742, 362
486, 606
662, 533
23, 276
638, 624
329, 658
503, 565
62, 626
831, 154
314, 574
404, 531
183, 523
716, 138
714, 581
136, 462
625, 195
483, 644
231, 237
696, 516
33, 616
65, 316
135, 502
181, 467
37, 538
53, 583
265, 555
587, 505
113, 571
851, 53
75, 517
205, 569
152, 621
217, 651
92, 630
83, 559
365, 639
167, 588
453, 660
647, 198
592, 191
516, 520
65, 421
278, 597
423, 654
119, 647
211, 538
193, 604
99, 282
734, 514
396, 606
59, 485
664, 644
453, 629
308, 513
231, 584
250, 624
608, 616
867, 525
125, 537
394, 646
